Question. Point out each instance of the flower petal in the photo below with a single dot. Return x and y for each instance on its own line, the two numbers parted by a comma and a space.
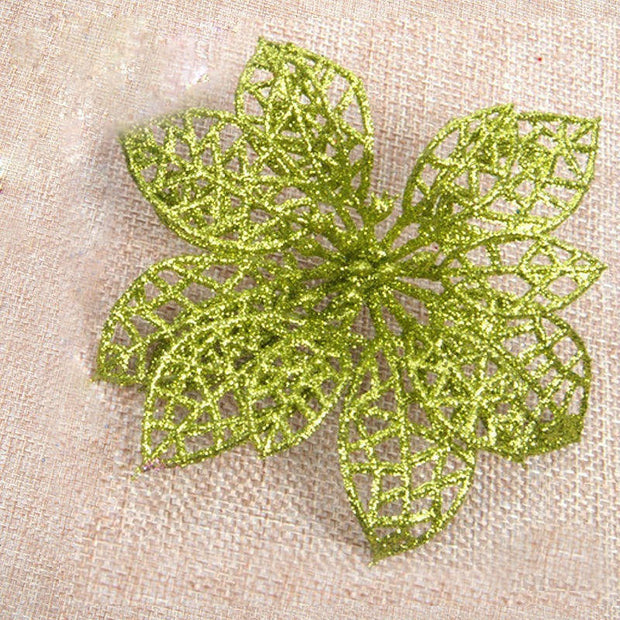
512, 274
404, 475
204, 174
498, 171
160, 303
259, 374
314, 124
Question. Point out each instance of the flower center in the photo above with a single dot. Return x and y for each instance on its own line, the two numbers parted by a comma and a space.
361, 268
367, 266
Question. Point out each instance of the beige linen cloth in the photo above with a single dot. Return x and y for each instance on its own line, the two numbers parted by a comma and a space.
237, 537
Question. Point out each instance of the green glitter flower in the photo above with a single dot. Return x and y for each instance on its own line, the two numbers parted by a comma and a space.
434, 340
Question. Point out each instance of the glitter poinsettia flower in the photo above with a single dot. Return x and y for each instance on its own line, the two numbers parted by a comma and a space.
430, 327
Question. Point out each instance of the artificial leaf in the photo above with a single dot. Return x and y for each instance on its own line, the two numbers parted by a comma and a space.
315, 125
405, 476
510, 274
512, 383
208, 181
157, 306
261, 375
515, 386
499, 171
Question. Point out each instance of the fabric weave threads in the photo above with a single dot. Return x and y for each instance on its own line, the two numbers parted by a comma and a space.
278, 194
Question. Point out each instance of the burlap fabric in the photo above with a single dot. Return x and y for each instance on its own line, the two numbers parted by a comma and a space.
237, 537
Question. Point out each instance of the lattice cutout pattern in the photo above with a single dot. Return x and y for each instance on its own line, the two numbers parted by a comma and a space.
460, 348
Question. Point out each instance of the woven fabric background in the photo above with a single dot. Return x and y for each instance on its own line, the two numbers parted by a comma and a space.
237, 537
